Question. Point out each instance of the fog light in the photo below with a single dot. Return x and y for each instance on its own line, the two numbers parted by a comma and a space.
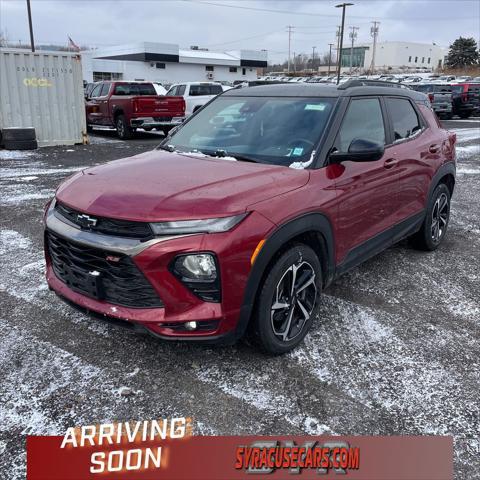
197, 267
190, 326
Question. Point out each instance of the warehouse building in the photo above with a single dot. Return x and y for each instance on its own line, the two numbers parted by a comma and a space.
167, 63
406, 56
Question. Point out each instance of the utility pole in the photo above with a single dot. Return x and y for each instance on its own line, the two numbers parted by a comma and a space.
339, 29
343, 6
374, 34
30, 25
290, 31
353, 36
313, 58
329, 57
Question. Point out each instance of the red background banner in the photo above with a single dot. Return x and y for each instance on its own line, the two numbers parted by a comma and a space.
213, 458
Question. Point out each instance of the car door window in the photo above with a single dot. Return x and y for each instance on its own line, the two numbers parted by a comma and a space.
96, 91
181, 90
105, 89
172, 92
404, 118
363, 120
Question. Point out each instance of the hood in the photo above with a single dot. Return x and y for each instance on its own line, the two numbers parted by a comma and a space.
159, 185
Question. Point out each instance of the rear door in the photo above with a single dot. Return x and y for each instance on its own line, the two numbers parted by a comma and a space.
417, 148
367, 192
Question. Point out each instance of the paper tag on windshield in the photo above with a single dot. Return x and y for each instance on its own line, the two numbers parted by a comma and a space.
315, 106
297, 151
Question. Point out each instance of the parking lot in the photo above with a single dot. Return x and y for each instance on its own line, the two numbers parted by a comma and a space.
395, 348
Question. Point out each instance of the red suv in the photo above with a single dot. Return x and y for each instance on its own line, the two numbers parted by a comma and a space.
246, 212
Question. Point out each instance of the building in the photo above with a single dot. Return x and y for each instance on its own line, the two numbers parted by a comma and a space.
167, 63
395, 56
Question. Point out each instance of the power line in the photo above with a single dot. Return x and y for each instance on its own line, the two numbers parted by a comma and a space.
245, 38
310, 14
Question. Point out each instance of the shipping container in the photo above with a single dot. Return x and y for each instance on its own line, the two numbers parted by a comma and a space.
43, 90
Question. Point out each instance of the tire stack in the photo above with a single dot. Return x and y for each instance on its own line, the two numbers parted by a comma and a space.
19, 139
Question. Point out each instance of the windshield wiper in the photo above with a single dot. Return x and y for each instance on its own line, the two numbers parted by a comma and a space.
220, 153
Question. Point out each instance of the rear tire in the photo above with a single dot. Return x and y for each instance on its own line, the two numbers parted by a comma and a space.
148, 129
22, 134
434, 227
124, 131
20, 144
287, 300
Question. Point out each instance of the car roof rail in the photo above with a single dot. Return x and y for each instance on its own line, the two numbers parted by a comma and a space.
369, 83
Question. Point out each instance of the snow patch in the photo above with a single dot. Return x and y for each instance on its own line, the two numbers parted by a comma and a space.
302, 165
16, 154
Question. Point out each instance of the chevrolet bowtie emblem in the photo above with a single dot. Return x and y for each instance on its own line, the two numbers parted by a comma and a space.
86, 221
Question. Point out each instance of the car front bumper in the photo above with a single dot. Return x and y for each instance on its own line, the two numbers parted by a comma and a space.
217, 322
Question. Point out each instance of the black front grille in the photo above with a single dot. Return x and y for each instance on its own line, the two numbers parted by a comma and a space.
87, 270
108, 226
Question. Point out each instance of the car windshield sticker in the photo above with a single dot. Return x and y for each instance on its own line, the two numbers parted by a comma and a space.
297, 151
315, 106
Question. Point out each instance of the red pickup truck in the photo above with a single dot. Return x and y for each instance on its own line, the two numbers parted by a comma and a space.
131, 105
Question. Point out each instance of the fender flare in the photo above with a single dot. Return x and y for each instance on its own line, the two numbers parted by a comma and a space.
310, 222
446, 169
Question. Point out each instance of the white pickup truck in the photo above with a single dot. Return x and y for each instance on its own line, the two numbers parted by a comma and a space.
196, 94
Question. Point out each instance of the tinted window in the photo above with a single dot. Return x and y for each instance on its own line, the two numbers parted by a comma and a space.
135, 89
143, 89
404, 119
181, 90
197, 90
363, 120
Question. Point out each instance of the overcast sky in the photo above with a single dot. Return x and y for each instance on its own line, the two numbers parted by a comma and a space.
229, 25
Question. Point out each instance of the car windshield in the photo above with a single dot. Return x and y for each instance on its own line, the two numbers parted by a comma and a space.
275, 130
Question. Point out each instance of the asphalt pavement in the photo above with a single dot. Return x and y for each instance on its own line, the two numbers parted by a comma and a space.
395, 347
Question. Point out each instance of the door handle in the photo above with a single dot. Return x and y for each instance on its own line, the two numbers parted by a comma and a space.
433, 148
390, 162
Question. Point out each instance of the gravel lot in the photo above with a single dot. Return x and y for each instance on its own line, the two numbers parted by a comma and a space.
395, 348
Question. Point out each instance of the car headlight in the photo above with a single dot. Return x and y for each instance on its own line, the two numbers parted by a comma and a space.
208, 225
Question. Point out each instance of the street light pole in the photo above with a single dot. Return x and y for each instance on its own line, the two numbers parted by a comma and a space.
313, 58
343, 7
330, 57
32, 43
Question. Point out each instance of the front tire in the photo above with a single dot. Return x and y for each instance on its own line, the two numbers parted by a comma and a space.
287, 301
434, 227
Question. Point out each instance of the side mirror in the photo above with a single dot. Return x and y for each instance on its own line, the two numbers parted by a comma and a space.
360, 150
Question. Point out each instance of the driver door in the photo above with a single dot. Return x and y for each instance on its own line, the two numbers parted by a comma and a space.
367, 192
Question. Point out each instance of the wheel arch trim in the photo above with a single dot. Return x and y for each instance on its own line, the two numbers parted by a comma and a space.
307, 223
447, 169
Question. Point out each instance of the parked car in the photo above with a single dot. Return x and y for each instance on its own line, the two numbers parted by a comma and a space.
159, 88
440, 97
252, 207
465, 99
196, 94
131, 105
